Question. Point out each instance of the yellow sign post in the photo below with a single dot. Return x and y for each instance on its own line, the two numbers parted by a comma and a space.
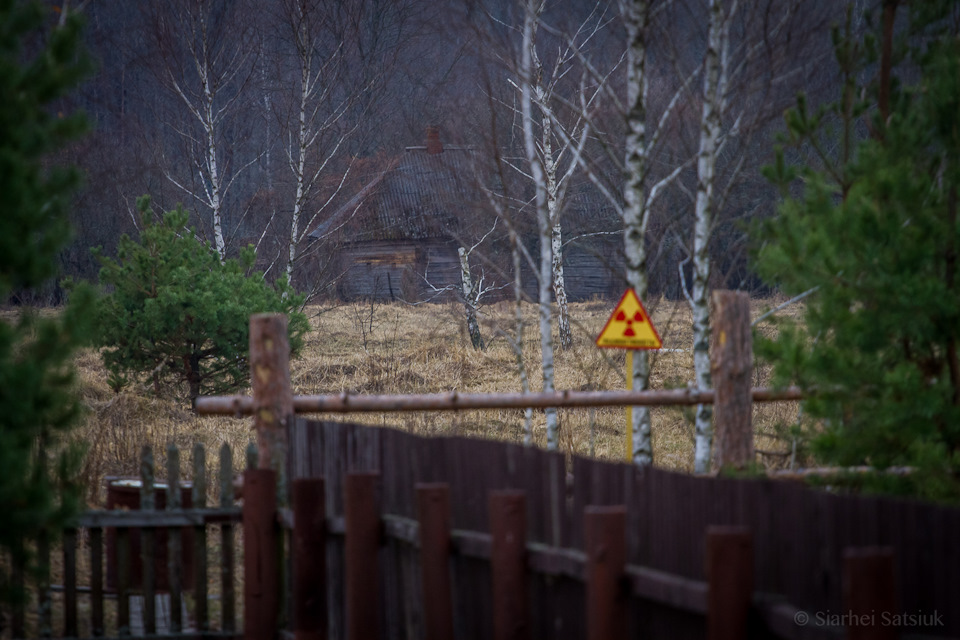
629, 327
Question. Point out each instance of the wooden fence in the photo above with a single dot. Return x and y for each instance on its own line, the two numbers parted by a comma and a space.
453, 537
391, 535
145, 553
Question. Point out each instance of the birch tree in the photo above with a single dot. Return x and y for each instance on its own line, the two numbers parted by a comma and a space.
763, 35
532, 11
206, 64
633, 187
555, 148
342, 54
315, 131
636, 16
714, 95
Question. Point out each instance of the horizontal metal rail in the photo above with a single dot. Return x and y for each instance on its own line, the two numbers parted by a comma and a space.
453, 401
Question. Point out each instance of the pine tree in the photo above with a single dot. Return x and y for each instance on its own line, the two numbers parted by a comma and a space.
38, 66
177, 314
876, 232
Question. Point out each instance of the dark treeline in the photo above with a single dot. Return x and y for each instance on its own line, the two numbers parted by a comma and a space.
264, 118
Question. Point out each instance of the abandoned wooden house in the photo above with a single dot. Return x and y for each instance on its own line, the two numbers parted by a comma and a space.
397, 236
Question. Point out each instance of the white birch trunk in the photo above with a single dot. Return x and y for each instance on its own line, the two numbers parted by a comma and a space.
635, 212
209, 125
713, 90
543, 216
469, 300
207, 106
553, 209
521, 364
299, 167
559, 286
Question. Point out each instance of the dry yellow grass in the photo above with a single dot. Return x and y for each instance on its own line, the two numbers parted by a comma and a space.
422, 349
397, 348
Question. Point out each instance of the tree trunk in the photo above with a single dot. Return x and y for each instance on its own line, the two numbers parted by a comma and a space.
192, 363
469, 300
560, 287
299, 168
518, 345
713, 90
543, 216
213, 170
553, 208
635, 212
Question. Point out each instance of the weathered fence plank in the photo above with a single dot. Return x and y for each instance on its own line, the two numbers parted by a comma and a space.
309, 560
200, 539
362, 516
174, 541
869, 593
123, 582
148, 542
18, 580
729, 569
70, 583
96, 581
605, 537
261, 586
227, 611
433, 506
45, 617
508, 529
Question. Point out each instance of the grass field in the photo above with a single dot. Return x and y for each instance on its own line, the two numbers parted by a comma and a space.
398, 348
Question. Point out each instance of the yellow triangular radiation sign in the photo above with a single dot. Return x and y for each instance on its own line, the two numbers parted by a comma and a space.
629, 326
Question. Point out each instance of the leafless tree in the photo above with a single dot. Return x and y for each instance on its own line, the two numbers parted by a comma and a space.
556, 150
206, 61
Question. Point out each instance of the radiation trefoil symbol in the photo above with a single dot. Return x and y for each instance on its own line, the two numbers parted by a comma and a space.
629, 326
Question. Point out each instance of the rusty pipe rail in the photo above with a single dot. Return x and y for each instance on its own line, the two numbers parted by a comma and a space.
454, 401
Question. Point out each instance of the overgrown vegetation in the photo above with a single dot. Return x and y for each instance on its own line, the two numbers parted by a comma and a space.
38, 402
176, 315
875, 231
425, 349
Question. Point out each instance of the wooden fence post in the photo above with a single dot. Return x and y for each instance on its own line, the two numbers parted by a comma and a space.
362, 520
433, 508
309, 559
731, 366
70, 583
272, 394
508, 530
174, 541
148, 542
261, 566
227, 614
199, 489
729, 569
606, 547
96, 583
869, 593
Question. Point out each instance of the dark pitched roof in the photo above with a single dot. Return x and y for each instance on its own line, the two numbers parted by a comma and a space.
420, 195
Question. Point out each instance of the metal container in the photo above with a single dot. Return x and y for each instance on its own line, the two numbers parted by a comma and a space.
124, 495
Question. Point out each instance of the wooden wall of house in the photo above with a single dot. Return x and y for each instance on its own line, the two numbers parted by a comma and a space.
589, 270
416, 270
593, 272
398, 270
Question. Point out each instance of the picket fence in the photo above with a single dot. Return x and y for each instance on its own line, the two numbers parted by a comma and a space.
145, 543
